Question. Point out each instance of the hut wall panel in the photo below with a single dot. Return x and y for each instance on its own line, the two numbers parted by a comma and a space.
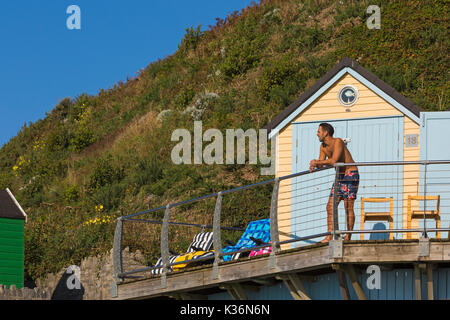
397, 284
410, 172
11, 252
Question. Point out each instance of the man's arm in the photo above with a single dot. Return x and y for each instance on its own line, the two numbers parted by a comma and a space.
337, 154
314, 163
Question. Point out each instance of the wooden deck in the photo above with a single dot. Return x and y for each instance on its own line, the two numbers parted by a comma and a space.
292, 267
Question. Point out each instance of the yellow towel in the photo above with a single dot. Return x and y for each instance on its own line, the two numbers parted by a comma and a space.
186, 257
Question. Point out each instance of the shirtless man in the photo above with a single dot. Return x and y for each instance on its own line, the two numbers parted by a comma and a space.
333, 150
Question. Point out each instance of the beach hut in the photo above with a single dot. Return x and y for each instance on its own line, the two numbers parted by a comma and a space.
12, 224
378, 124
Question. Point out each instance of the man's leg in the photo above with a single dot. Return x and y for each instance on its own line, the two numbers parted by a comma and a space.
350, 215
330, 217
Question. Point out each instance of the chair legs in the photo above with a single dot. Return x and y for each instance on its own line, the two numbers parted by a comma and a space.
362, 227
391, 226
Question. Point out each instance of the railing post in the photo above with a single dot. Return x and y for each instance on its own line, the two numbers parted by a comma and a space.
117, 249
335, 205
425, 201
165, 246
274, 236
216, 235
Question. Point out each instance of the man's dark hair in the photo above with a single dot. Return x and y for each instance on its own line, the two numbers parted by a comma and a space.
328, 128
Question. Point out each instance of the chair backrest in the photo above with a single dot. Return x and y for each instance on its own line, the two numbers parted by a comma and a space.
259, 229
202, 241
423, 198
378, 200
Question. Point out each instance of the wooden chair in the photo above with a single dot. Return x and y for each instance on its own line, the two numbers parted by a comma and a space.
429, 214
378, 216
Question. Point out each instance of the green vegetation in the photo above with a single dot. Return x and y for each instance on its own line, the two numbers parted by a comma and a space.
94, 158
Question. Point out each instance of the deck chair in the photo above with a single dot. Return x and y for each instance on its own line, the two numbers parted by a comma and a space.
200, 247
257, 232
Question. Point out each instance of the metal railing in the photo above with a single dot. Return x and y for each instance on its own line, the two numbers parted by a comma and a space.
306, 208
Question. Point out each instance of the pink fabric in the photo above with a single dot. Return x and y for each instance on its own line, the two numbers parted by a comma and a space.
260, 251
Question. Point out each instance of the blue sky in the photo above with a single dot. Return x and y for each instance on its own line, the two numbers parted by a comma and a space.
42, 61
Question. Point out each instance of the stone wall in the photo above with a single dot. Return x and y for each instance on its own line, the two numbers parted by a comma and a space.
91, 280
12, 293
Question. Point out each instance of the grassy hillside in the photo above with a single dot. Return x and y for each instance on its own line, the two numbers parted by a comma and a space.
94, 158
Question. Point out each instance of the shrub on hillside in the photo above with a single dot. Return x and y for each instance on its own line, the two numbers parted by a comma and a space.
109, 195
58, 139
191, 39
71, 194
277, 73
81, 138
243, 48
147, 171
105, 173
184, 97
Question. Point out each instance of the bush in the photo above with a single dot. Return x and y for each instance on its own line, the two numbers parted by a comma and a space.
71, 194
62, 110
184, 177
58, 139
151, 95
184, 97
5, 180
105, 173
82, 138
147, 171
243, 48
315, 67
79, 106
110, 196
348, 11
277, 73
191, 39
312, 38
392, 76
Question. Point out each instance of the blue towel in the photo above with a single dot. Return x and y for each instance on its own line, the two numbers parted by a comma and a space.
259, 229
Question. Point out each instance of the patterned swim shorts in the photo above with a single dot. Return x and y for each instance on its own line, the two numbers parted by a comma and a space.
347, 185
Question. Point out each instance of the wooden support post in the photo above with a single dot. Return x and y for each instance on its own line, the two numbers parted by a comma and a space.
342, 281
295, 286
236, 291
355, 283
292, 290
298, 285
240, 292
418, 282
343, 285
430, 290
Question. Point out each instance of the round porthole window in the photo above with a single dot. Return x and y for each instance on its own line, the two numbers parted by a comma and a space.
348, 95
